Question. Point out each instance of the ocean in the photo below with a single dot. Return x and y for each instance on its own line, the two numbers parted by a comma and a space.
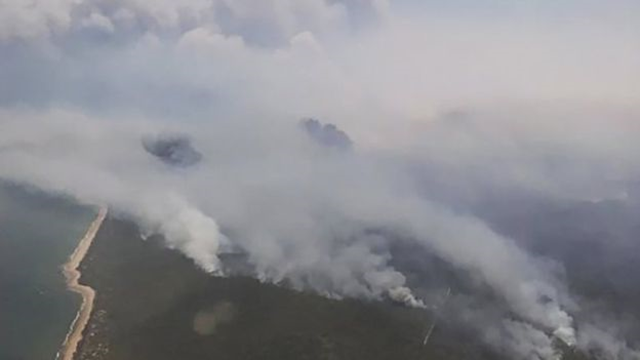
37, 234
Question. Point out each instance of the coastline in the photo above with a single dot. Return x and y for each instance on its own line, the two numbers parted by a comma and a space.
72, 275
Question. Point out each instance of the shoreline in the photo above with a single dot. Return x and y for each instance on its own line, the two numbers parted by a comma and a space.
72, 275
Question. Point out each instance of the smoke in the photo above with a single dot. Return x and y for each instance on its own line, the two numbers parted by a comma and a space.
186, 229
604, 343
439, 110
327, 134
173, 150
538, 344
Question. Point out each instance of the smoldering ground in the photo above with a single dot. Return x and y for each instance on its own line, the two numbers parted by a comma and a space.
462, 130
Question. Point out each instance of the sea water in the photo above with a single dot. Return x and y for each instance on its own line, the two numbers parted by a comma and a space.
37, 234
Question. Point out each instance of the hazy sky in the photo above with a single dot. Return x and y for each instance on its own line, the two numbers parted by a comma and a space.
409, 61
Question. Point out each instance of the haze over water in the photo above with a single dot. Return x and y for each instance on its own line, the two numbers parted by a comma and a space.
37, 235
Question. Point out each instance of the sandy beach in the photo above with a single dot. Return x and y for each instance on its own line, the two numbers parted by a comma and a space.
72, 275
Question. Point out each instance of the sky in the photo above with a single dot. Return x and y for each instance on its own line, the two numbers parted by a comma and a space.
445, 103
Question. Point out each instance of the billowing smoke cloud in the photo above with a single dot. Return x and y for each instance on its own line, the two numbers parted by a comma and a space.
444, 114
300, 213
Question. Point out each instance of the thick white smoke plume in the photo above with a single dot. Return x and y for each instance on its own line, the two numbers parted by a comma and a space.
299, 211
435, 106
185, 228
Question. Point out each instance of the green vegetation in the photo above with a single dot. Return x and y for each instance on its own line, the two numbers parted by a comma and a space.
149, 297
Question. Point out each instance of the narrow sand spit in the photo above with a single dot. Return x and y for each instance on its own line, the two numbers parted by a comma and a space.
72, 274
